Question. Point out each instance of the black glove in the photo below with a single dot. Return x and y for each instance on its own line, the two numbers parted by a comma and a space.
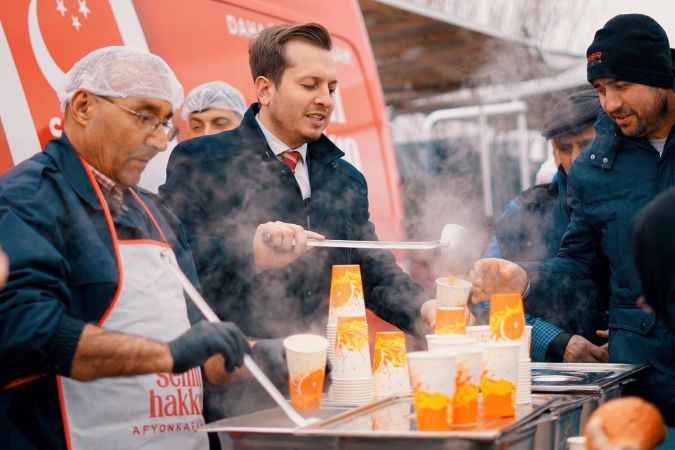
199, 343
270, 355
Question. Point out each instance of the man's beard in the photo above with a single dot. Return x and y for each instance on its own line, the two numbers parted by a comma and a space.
645, 126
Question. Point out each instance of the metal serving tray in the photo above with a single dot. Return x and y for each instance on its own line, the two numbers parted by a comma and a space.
390, 423
582, 377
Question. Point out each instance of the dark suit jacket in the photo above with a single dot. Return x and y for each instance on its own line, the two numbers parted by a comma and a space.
223, 186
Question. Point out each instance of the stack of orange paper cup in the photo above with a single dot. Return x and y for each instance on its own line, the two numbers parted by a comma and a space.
346, 299
499, 380
306, 359
352, 379
432, 377
390, 364
450, 320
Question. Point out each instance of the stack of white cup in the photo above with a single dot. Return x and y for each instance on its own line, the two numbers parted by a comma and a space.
481, 333
351, 375
352, 379
525, 368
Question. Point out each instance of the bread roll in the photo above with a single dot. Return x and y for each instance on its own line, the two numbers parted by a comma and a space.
628, 423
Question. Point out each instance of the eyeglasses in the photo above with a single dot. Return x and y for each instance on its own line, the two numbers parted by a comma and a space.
148, 121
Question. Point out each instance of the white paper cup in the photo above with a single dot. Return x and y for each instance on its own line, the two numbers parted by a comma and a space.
455, 342
306, 359
352, 354
452, 291
433, 372
305, 353
500, 370
525, 342
524, 381
390, 364
479, 332
432, 377
576, 443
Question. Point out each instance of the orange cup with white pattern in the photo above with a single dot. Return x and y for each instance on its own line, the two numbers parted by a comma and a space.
507, 317
450, 320
306, 359
352, 353
432, 377
499, 380
390, 364
346, 292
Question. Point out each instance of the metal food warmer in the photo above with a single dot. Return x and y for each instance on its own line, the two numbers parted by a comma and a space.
597, 382
390, 424
564, 396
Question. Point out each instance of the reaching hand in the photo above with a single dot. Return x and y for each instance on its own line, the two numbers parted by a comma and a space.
199, 343
494, 276
277, 244
579, 349
271, 357
4, 269
428, 313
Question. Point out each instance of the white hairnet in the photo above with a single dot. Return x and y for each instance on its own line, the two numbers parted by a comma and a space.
123, 72
214, 94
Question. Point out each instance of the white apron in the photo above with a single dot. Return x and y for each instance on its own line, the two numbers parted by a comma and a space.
158, 411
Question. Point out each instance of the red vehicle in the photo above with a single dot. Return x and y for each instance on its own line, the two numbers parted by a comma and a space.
203, 40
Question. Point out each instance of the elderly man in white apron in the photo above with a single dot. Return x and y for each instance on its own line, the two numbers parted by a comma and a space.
96, 344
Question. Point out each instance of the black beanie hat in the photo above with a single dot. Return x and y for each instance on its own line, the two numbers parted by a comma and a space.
572, 114
633, 48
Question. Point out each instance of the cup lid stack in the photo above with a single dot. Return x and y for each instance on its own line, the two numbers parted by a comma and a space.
524, 393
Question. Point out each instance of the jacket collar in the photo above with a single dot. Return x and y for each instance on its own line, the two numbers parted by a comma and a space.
321, 151
68, 161
605, 146
609, 141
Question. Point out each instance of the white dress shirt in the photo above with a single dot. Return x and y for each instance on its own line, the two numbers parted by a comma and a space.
301, 172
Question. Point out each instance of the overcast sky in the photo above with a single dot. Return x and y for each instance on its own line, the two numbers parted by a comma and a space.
600, 11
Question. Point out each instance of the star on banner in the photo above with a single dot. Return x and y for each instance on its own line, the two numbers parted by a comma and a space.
84, 10
76, 23
61, 7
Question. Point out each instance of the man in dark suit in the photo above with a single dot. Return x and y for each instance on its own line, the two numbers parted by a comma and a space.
279, 166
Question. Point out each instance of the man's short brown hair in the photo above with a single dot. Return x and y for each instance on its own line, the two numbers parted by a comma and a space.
266, 53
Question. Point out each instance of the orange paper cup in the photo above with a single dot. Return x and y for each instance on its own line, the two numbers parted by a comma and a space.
507, 318
390, 364
346, 292
432, 376
306, 359
352, 354
450, 320
345, 282
499, 379
306, 391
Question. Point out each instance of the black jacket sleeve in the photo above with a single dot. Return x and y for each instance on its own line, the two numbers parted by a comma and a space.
36, 334
220, 241
388, 291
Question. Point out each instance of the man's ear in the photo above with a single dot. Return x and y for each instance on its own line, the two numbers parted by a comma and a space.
81, 107
264, 90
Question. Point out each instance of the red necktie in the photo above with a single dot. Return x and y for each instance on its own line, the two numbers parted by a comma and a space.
290, 159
